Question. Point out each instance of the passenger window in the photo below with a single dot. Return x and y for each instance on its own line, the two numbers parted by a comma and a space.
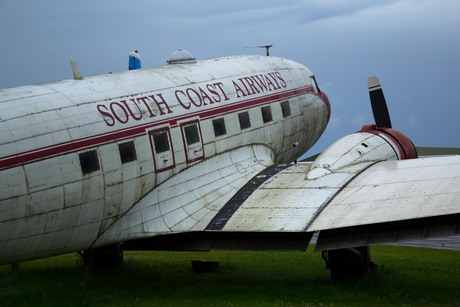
191, 134
193, 142
161, 141
286, 108
244, 120
267, 114
127, 152
219, 126
163, 154
89, 162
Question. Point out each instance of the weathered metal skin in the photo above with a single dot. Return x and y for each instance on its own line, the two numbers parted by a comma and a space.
65, 184
361, 182
291, 200
402, 145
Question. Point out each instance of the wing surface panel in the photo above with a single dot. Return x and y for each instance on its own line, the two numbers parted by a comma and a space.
288, 201
395, 191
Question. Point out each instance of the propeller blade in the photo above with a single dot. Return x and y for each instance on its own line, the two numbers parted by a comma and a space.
378, 103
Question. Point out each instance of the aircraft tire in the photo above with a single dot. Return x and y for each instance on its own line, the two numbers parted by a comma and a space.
103, 258
348, 263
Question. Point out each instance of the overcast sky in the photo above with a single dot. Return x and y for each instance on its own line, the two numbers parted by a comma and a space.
413, 46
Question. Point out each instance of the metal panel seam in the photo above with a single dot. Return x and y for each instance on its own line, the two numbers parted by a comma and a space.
327, 202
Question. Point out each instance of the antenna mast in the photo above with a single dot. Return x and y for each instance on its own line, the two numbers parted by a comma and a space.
267, 48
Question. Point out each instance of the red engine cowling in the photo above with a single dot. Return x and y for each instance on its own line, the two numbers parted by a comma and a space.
402, 143
357, 151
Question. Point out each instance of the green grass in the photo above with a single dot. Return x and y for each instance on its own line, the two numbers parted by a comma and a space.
406, 276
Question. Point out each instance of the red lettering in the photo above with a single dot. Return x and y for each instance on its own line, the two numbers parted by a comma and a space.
280, 78
214, 93
108, 118
238, 90
145, 100
270, 85
180, 101
162, 102
220, 86
197, 95
261, 83
273, 76
139, 117
125, 113
205, 96
251, 85
244, 84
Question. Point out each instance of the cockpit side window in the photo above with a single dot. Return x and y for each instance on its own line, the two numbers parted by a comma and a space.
315, 85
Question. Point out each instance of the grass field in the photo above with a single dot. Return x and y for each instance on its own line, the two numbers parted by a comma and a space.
406, 276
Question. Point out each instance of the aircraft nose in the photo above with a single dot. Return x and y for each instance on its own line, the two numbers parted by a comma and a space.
325, 99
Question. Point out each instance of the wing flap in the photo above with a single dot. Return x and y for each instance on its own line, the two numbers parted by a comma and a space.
427, 232
393, 191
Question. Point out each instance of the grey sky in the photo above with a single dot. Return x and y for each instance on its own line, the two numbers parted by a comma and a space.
412, 45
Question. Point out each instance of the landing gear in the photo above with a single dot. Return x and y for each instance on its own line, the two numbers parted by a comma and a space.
103, 258
348, 263
12, 275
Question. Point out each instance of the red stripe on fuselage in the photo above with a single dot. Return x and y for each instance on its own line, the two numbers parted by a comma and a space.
134, 131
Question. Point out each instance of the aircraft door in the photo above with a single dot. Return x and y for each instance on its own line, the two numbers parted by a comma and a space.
162, 149
193, 141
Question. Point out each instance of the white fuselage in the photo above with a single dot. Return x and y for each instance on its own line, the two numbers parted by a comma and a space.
77, 155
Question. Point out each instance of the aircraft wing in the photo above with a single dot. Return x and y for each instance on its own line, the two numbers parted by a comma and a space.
395, 190
394, 201
388, 201
279, 207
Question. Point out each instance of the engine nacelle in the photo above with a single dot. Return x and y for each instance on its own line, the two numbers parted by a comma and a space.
370, 144
401, 143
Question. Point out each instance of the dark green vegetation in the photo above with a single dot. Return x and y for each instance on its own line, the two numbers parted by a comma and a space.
406, 276
430, 151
